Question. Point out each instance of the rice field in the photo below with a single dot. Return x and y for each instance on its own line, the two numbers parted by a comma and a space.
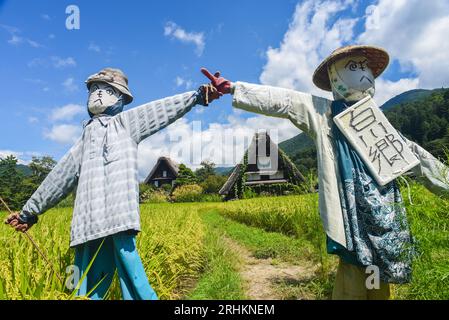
170, 245
184, 256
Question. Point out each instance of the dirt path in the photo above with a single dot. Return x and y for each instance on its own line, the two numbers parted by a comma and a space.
266, 279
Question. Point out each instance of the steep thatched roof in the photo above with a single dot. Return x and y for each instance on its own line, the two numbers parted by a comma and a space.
294, 175
173, 166
231, 180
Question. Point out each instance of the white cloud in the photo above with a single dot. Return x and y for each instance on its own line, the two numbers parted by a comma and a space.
6, 153
386, 89
59, 62
35, 81
94, 47
174, 31
222, 143
33, 43
54, 61
39, 82
10, 29
36, 62
63, 134
67, 112
413, 32
311, 37
70, 85
33, 120
45, 17
22, 157
17, 40
181, 82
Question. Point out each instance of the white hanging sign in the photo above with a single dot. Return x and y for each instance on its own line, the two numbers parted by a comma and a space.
377, 142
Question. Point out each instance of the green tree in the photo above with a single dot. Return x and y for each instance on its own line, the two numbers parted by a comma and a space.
40, 168
213, 183
11, 183
185, 176
207, 169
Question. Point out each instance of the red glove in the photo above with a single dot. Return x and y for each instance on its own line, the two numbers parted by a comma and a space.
14, 221
209, 93
221, 84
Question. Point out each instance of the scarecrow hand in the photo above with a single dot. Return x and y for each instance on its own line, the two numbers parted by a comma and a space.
209, 94
15, 222
221, 84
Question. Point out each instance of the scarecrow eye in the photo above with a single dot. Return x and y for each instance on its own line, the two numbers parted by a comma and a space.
94, 87
110, 91
351, 65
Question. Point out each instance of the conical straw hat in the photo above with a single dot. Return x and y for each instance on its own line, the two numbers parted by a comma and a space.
378, 60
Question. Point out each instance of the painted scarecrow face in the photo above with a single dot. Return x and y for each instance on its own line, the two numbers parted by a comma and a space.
101, 97
351, 78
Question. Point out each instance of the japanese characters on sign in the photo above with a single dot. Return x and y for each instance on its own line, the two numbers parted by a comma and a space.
377, 142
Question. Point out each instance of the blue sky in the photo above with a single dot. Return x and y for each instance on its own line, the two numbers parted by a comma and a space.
44, 65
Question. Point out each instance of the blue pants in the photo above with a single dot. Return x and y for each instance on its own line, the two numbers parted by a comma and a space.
117, 253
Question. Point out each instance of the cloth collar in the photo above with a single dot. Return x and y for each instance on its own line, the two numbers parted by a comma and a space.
102, 118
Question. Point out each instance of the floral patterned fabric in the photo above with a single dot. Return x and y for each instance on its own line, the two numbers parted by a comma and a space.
375, 220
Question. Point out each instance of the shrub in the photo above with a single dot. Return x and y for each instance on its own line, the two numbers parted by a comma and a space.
154, 196
213, 183
188, 193
167, 188
266, 190
210, 198
144, 188
249, 193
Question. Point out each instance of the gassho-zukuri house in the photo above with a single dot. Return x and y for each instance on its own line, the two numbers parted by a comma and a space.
264, 163
164, 172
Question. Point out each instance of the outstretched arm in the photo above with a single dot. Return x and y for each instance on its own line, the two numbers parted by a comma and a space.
300, 108
57, 185
430, 172
141, 122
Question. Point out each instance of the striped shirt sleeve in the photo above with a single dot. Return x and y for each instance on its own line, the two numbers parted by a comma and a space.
143, 121
57, 185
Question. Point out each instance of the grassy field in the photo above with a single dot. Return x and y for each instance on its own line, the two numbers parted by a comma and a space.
187, 253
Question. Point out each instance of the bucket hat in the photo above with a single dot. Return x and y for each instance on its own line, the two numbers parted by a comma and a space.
115, 78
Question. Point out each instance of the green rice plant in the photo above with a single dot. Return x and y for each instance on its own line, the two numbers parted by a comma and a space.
295, 216
429, 221
170, 245
187, 193
180, 245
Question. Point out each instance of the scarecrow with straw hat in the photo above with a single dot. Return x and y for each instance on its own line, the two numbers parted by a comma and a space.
103, 166
365, 222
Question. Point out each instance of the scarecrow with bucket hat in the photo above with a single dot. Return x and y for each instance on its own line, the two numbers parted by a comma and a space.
102, 165
365, 221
